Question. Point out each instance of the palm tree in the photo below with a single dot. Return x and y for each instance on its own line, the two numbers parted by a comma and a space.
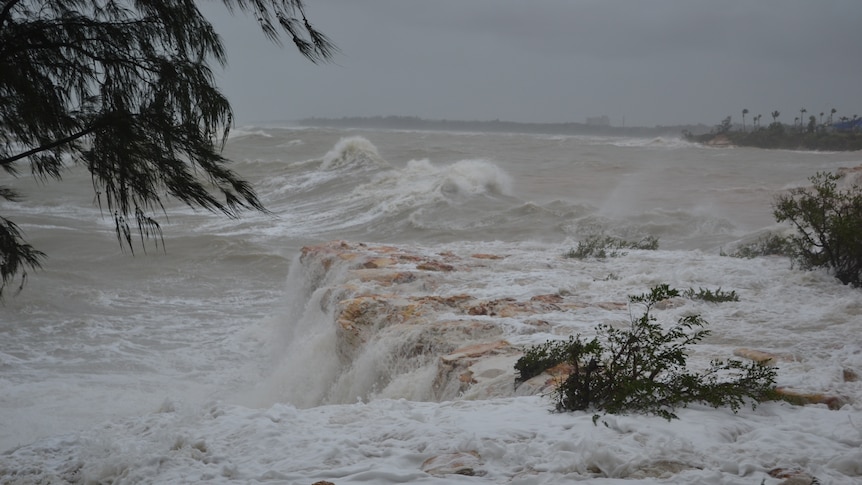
832, 113
775, 115
821, 117
744, 112
802, 112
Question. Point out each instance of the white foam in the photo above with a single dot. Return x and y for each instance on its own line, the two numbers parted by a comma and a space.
353, 152
99, 340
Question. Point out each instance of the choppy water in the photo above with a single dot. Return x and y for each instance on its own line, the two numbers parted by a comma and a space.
99, 334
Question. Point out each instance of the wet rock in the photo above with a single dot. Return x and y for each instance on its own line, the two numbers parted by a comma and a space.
552, 298
434, 266
378, 263
509, 307
803, 398
459, 463
379, 297
767, 358
662, 469
611, 305
486, 256
485, 369
546, 382
384, 277
719, 141
793, 476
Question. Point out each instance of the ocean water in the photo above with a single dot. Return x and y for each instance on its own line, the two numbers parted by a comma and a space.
104, 345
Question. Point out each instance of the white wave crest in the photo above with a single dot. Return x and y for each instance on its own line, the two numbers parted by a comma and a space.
657, 142
476, 177
422, 182
248, 131
354, 151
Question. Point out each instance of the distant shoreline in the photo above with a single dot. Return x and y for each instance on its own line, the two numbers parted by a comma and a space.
782, 138
497, 126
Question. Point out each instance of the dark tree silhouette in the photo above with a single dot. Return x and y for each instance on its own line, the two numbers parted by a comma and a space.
744, 112
124, 88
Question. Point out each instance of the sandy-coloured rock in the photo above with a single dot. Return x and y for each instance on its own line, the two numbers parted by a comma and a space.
389, 292
459, 463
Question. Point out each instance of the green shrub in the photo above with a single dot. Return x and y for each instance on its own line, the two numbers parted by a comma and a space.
828, 223
643, 368
601, 247
538, 359
716, 296
766, 245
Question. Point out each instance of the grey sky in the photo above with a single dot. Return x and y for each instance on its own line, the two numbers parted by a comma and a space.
647, 61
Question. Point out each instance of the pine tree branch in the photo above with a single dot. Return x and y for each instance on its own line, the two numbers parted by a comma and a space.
7, 9
5, 162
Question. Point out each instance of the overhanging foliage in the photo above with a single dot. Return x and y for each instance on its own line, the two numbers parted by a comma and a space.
124, 88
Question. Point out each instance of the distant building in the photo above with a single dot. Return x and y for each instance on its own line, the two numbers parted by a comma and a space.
848, 125
599, 120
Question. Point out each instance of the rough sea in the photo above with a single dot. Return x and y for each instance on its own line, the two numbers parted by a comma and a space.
194, 362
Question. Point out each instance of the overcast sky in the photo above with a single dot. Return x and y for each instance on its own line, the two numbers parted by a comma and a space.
644, 62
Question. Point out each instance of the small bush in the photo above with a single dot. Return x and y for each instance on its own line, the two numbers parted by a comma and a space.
828, 223
767, 245
643, 368
538, 359
601, 247
716, 296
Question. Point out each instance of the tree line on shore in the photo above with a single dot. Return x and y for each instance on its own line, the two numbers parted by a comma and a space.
826, 132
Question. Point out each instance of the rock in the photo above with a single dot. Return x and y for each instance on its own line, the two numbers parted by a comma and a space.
459, 463
509, 307
381, 294
546, 382
802, 398
663, 469
611, 305
486, 369
552, 298
719, 141
486, 256
434, 266
794, 397
760, 356
378, 263
383, 277
792, 477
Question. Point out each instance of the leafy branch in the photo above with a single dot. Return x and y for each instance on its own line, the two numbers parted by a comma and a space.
642, 368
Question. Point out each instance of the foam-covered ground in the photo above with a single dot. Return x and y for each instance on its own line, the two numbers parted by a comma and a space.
511, 440
381, 438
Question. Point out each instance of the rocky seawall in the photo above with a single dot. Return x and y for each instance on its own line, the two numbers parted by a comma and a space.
431, 311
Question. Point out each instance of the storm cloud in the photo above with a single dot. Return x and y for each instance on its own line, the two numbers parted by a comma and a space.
659, 62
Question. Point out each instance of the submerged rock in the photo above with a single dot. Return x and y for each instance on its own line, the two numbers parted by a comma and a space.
460, 463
